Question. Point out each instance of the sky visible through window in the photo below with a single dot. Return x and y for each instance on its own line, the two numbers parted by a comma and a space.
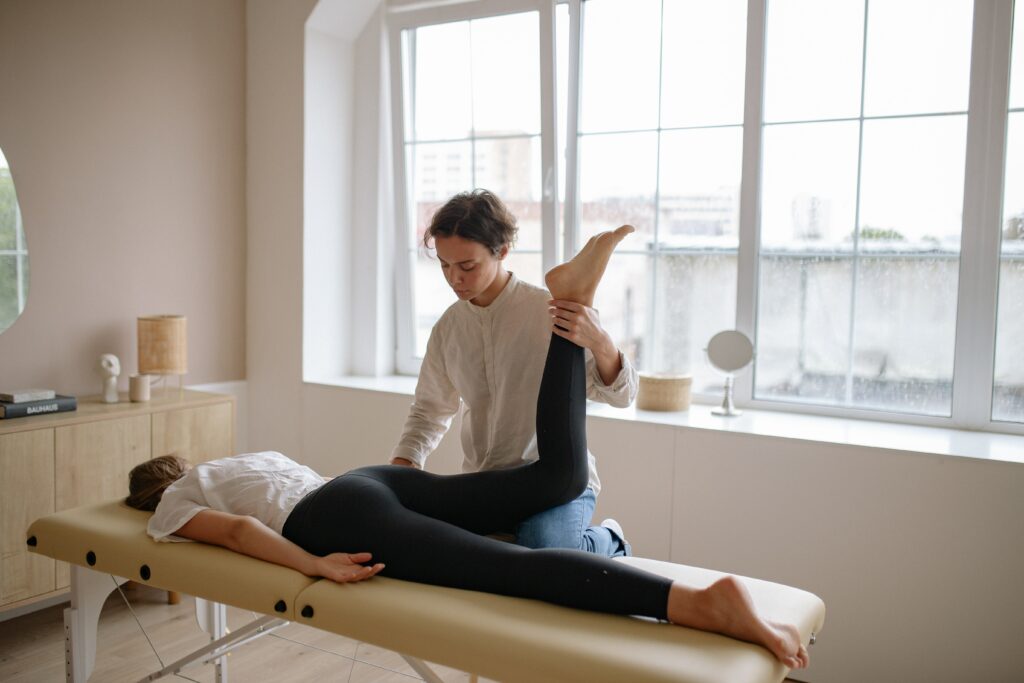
474, 87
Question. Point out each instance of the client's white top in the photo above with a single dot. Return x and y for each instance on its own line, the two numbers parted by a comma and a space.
265, 485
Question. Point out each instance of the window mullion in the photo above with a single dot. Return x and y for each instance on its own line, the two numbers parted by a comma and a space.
549, 136
851, 335
571, 227
405, 361
750, 188
980, 238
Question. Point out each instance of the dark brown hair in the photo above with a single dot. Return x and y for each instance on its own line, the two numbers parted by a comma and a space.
478, 216
148, 480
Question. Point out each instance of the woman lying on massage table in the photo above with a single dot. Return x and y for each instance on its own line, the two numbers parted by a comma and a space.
430, 528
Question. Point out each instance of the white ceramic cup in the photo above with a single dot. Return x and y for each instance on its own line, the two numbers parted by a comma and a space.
138, 387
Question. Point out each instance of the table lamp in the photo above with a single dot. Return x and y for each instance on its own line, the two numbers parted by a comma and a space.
163, 346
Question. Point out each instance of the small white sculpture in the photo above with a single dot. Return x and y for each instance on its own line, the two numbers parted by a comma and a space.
109, 368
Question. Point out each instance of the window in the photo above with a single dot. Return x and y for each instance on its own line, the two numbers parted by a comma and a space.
1008, 389
660, 145
472, 119
861, 202
784, 178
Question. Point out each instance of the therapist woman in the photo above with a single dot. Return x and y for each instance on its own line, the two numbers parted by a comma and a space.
487, 351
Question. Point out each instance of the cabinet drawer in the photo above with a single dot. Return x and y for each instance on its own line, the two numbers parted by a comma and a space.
93, 461
26, 486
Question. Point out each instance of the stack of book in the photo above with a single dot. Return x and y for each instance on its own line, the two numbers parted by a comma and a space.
34, 402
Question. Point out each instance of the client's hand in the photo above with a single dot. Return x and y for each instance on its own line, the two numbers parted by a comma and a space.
346, 568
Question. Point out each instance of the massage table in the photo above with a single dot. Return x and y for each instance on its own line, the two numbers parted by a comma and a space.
507, 639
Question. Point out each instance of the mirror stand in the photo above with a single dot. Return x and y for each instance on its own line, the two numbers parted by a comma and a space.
727, 409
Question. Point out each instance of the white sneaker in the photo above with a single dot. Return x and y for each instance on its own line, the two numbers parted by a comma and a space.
616, 528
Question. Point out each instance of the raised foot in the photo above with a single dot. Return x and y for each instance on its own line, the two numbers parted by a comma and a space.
726, 607
577, 279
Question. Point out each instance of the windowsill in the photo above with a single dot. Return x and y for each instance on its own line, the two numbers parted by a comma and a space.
778, 424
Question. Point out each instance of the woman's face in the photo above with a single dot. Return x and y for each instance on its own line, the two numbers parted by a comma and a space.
472, 271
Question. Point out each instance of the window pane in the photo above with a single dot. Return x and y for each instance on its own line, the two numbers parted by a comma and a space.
803, 327
698, 33
506, 98
1017, 59
813, 59
562, 81
695, 297
622, 302
918, 56
617, 183
905, 324
510, 168
864, 317
441, 101
1008, 396
698, 200
527, 266
431, 295
621, 43
439, 170
809, 186
1008, 393
912, 181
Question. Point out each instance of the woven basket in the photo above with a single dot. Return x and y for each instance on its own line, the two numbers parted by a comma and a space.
664, 392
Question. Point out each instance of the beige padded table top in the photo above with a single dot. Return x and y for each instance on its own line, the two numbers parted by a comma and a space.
507, 639
115, 534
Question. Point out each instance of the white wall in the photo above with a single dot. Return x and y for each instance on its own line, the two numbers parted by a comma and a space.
916, 556
329, 131
275, 33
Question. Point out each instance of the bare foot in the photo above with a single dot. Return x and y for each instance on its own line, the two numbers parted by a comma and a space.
577, 280
725, 607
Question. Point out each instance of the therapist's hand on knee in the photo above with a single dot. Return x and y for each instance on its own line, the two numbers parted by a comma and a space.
345, 567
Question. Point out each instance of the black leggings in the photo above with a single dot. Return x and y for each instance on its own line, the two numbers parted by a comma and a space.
427, 527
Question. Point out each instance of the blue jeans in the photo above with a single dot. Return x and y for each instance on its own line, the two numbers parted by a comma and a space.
567, 526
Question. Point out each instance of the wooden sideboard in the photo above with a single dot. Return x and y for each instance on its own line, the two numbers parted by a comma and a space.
58, 461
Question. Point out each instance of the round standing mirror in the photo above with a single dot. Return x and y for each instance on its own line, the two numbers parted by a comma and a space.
13, 251
729, 352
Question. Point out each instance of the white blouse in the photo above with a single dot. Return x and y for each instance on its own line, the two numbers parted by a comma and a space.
265, 485
492, 358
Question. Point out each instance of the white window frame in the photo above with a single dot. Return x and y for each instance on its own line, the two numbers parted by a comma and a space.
400, 20
974, 353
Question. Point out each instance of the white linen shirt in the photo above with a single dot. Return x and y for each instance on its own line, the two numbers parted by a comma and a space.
265, 485
492, 357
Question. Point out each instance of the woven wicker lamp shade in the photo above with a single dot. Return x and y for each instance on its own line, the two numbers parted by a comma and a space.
163, 345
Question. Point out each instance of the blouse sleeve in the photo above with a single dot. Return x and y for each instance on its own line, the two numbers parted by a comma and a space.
182, 501
621, 392
433, 407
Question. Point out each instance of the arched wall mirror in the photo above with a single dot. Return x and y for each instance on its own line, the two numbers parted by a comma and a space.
13, 251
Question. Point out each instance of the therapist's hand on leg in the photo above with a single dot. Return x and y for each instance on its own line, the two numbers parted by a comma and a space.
582, 326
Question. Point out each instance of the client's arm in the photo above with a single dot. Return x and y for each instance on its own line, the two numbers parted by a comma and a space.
249, 536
